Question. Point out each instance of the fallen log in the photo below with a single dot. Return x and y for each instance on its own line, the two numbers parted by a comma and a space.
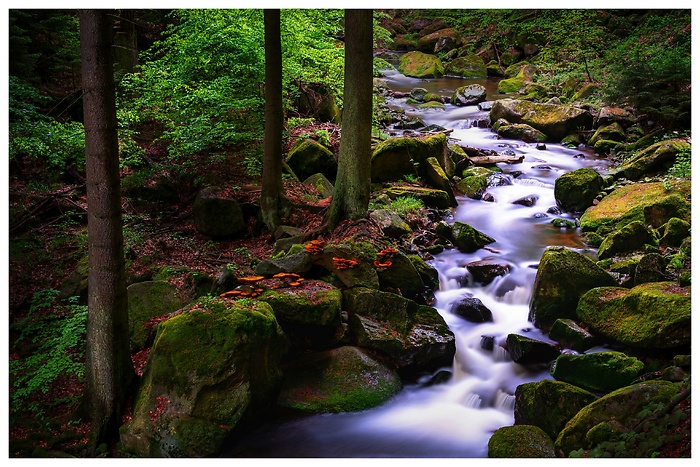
489, 160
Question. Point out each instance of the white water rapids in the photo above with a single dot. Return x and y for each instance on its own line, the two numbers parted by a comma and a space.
456, 418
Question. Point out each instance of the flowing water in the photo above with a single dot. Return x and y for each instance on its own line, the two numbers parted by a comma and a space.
457, 418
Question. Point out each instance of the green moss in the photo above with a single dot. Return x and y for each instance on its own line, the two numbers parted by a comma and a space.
469, 66
432, 105
198, 438
652, 315
631, 237
520, 441
510, 85
603, 371
467, 238
421, 65
576, 190
313, 307
472, 185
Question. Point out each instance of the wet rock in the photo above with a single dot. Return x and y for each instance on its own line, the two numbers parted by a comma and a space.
520, 441
563, 276
655, 315
527, 351
575, 191
467, 238
429, 196
528, 201
472, 309
485, 271
396, 157
602, 371
499, 179
488, 197
521, 131
346, 379
436, 177
572, 336
549, 404
469, 95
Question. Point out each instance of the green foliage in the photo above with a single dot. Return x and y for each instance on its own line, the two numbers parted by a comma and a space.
406, 204
680, 170
58, 340
59, 144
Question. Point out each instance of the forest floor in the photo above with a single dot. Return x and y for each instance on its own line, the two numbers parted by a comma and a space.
48, 237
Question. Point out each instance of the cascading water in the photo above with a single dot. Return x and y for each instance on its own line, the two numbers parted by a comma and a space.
457, 418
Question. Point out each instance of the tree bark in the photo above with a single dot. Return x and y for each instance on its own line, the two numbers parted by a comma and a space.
352, 186
109, 371
272, 195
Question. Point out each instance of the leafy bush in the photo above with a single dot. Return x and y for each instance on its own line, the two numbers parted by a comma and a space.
59, 340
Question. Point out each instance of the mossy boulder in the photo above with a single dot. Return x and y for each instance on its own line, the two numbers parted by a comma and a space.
575, 191
555, 121
391, 223
527, 351
413, 337
469, 66
402, 276
652, 315
472, 186
510, 85
620, 409
363, 274
76, 285
549, 404
429, 196
432, 105
572, 336
563, 276
520, 441
471, 94
217, 363
521, 131
443, 39
649, 203
655, 158
308, 157
148, 300
674, 232
345, 379
421, 65
467, 238
612, 132
296, 261
437, 178
631, 237
321, 184
602, 371
215, 215
429, 275
396, 157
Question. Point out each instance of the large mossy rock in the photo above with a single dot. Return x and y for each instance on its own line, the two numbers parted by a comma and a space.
654, 315
364, 274
631, 237
527, 351
437, 178
522, 132
210, 368
310, 157
469, 66
520, 441
413, 337
549, 404
612, 132
619, 410
563, 276
602, 371
396, 157
467, 239
402, 276
572, 336
421, 65
148, 300
430, 197
215, 215
471, 94
674, 232
346, 379
443, 39
575, 191
555, 121
657, 157
649, 203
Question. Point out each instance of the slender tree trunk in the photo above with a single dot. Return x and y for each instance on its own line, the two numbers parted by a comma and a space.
272, 195
352, 186
109, 371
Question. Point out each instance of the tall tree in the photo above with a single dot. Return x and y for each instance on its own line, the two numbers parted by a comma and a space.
272, 198
109, 371
352, 186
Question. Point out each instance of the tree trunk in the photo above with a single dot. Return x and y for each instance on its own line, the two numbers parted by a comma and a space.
352, 186
126, 51
109, 371
272, 195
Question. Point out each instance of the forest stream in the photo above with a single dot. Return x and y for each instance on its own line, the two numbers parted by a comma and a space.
456, 418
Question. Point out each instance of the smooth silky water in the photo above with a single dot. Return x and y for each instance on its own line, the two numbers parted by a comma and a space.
456, 418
